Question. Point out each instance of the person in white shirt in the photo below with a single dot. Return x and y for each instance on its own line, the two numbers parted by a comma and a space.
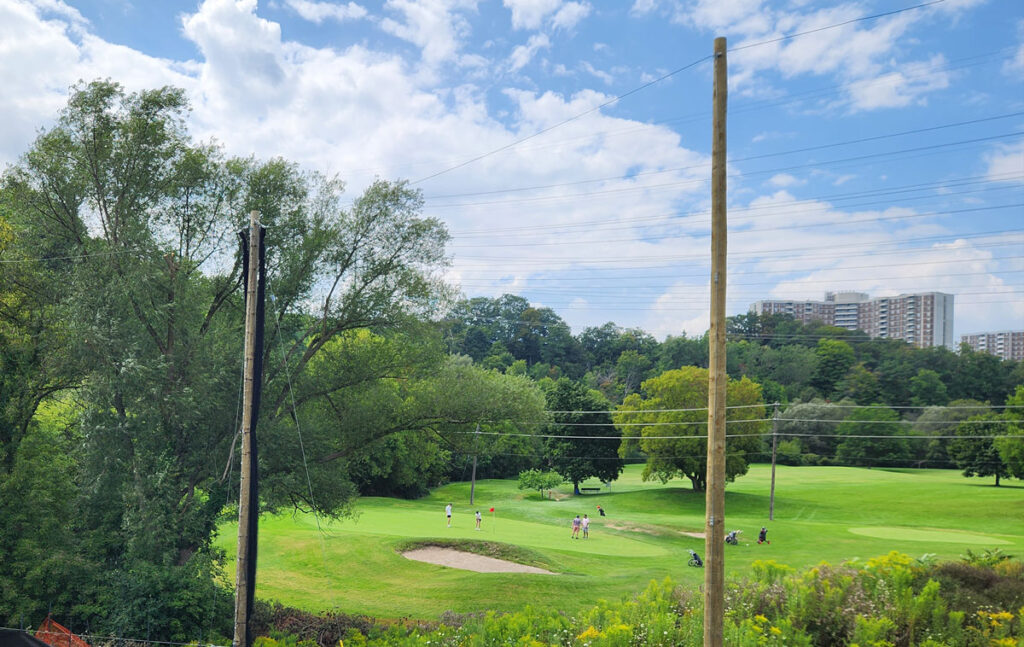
479, 518
448, 513
585, 524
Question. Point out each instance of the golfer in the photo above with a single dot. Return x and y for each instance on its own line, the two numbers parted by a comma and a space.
585, 523
448, 513
479, 518
575, 528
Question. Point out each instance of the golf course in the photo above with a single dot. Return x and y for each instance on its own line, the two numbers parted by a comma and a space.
830, 514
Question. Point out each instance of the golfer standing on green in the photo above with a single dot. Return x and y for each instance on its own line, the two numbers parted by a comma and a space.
448, 513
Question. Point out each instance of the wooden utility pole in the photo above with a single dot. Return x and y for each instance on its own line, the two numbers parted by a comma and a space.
472, 481
714, 529
775, 442
242, 583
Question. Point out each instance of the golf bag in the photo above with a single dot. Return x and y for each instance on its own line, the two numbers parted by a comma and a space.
733, 538
695, 559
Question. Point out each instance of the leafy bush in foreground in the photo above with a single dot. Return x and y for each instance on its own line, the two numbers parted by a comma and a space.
889, 601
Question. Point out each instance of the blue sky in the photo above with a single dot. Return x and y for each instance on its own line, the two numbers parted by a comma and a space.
882, 155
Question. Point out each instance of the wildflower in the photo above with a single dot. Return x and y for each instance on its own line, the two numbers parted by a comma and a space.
776, 631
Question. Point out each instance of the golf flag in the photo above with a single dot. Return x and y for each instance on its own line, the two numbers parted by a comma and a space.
492, 509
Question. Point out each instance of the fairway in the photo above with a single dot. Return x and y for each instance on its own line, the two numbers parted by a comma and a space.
821, 514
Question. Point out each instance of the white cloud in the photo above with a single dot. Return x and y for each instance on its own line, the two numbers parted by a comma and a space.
530, 14
523, 54
46, 49
570, 15
783, 180
593, 71
865, 55
1007, 164
320, 11
433, 25
642, 7
1015, 65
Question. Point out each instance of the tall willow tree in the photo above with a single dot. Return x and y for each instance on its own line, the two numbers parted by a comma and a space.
127, 229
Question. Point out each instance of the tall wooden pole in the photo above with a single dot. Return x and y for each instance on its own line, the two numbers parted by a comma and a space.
242, 583
775, 442
472, 482
714, 529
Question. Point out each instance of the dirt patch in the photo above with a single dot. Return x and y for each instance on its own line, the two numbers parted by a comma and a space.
650, 530
469, 561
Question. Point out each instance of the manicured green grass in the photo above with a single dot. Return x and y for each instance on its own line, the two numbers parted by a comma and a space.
821, 514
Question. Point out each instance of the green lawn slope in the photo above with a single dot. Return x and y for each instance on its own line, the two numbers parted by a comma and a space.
821, 514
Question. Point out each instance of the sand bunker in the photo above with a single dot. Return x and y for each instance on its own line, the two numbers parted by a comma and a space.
469, 561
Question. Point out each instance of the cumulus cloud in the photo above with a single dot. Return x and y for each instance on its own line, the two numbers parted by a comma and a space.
523, 54
318, 12
1006, 164
865, 55
570, 15
435, 26
530, 14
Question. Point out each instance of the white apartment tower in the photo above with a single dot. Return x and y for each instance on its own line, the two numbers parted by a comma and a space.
1007, 344
924, 319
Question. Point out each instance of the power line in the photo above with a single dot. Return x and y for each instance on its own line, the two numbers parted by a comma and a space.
774, 209
805, 149
564, 122
872, 246
825, 163
659, 80
951, 212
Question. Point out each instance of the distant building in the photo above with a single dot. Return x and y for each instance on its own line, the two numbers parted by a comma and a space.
924, 319
1007, 344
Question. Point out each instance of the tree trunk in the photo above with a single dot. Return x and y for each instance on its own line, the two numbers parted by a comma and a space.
576, 487
698, 481
997, 480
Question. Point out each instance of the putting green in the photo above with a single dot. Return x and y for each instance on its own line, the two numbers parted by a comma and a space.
423, 524
915, 534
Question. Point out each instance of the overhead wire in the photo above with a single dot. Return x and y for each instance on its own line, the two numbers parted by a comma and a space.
733, 160
661, 78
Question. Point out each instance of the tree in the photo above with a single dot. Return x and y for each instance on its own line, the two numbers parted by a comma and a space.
814, 427
974, 449
585, 445
137, 224
644, 423
927, 389
1011, 447
886, 445
942, 421
860, 385
835, 358
538, 480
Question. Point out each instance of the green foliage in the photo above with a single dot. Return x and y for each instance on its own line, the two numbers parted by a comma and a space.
885, 444
974, 449
1011, 448
538, 480
685, 454
592, 450
887, 602
835, 358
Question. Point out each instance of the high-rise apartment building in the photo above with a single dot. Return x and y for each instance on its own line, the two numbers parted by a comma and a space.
1007, 344
924, 319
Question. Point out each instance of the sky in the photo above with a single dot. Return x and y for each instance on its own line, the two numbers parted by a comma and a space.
873, 146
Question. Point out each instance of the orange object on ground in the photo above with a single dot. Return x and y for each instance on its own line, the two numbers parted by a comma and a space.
55, 634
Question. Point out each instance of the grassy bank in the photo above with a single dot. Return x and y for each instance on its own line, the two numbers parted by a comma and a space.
821, 513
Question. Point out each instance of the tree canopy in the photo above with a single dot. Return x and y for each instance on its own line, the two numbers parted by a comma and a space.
668, 422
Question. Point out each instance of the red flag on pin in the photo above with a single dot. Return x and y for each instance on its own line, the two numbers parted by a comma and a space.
492, 510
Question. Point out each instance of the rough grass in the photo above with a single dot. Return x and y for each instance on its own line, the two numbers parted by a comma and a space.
821, 514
